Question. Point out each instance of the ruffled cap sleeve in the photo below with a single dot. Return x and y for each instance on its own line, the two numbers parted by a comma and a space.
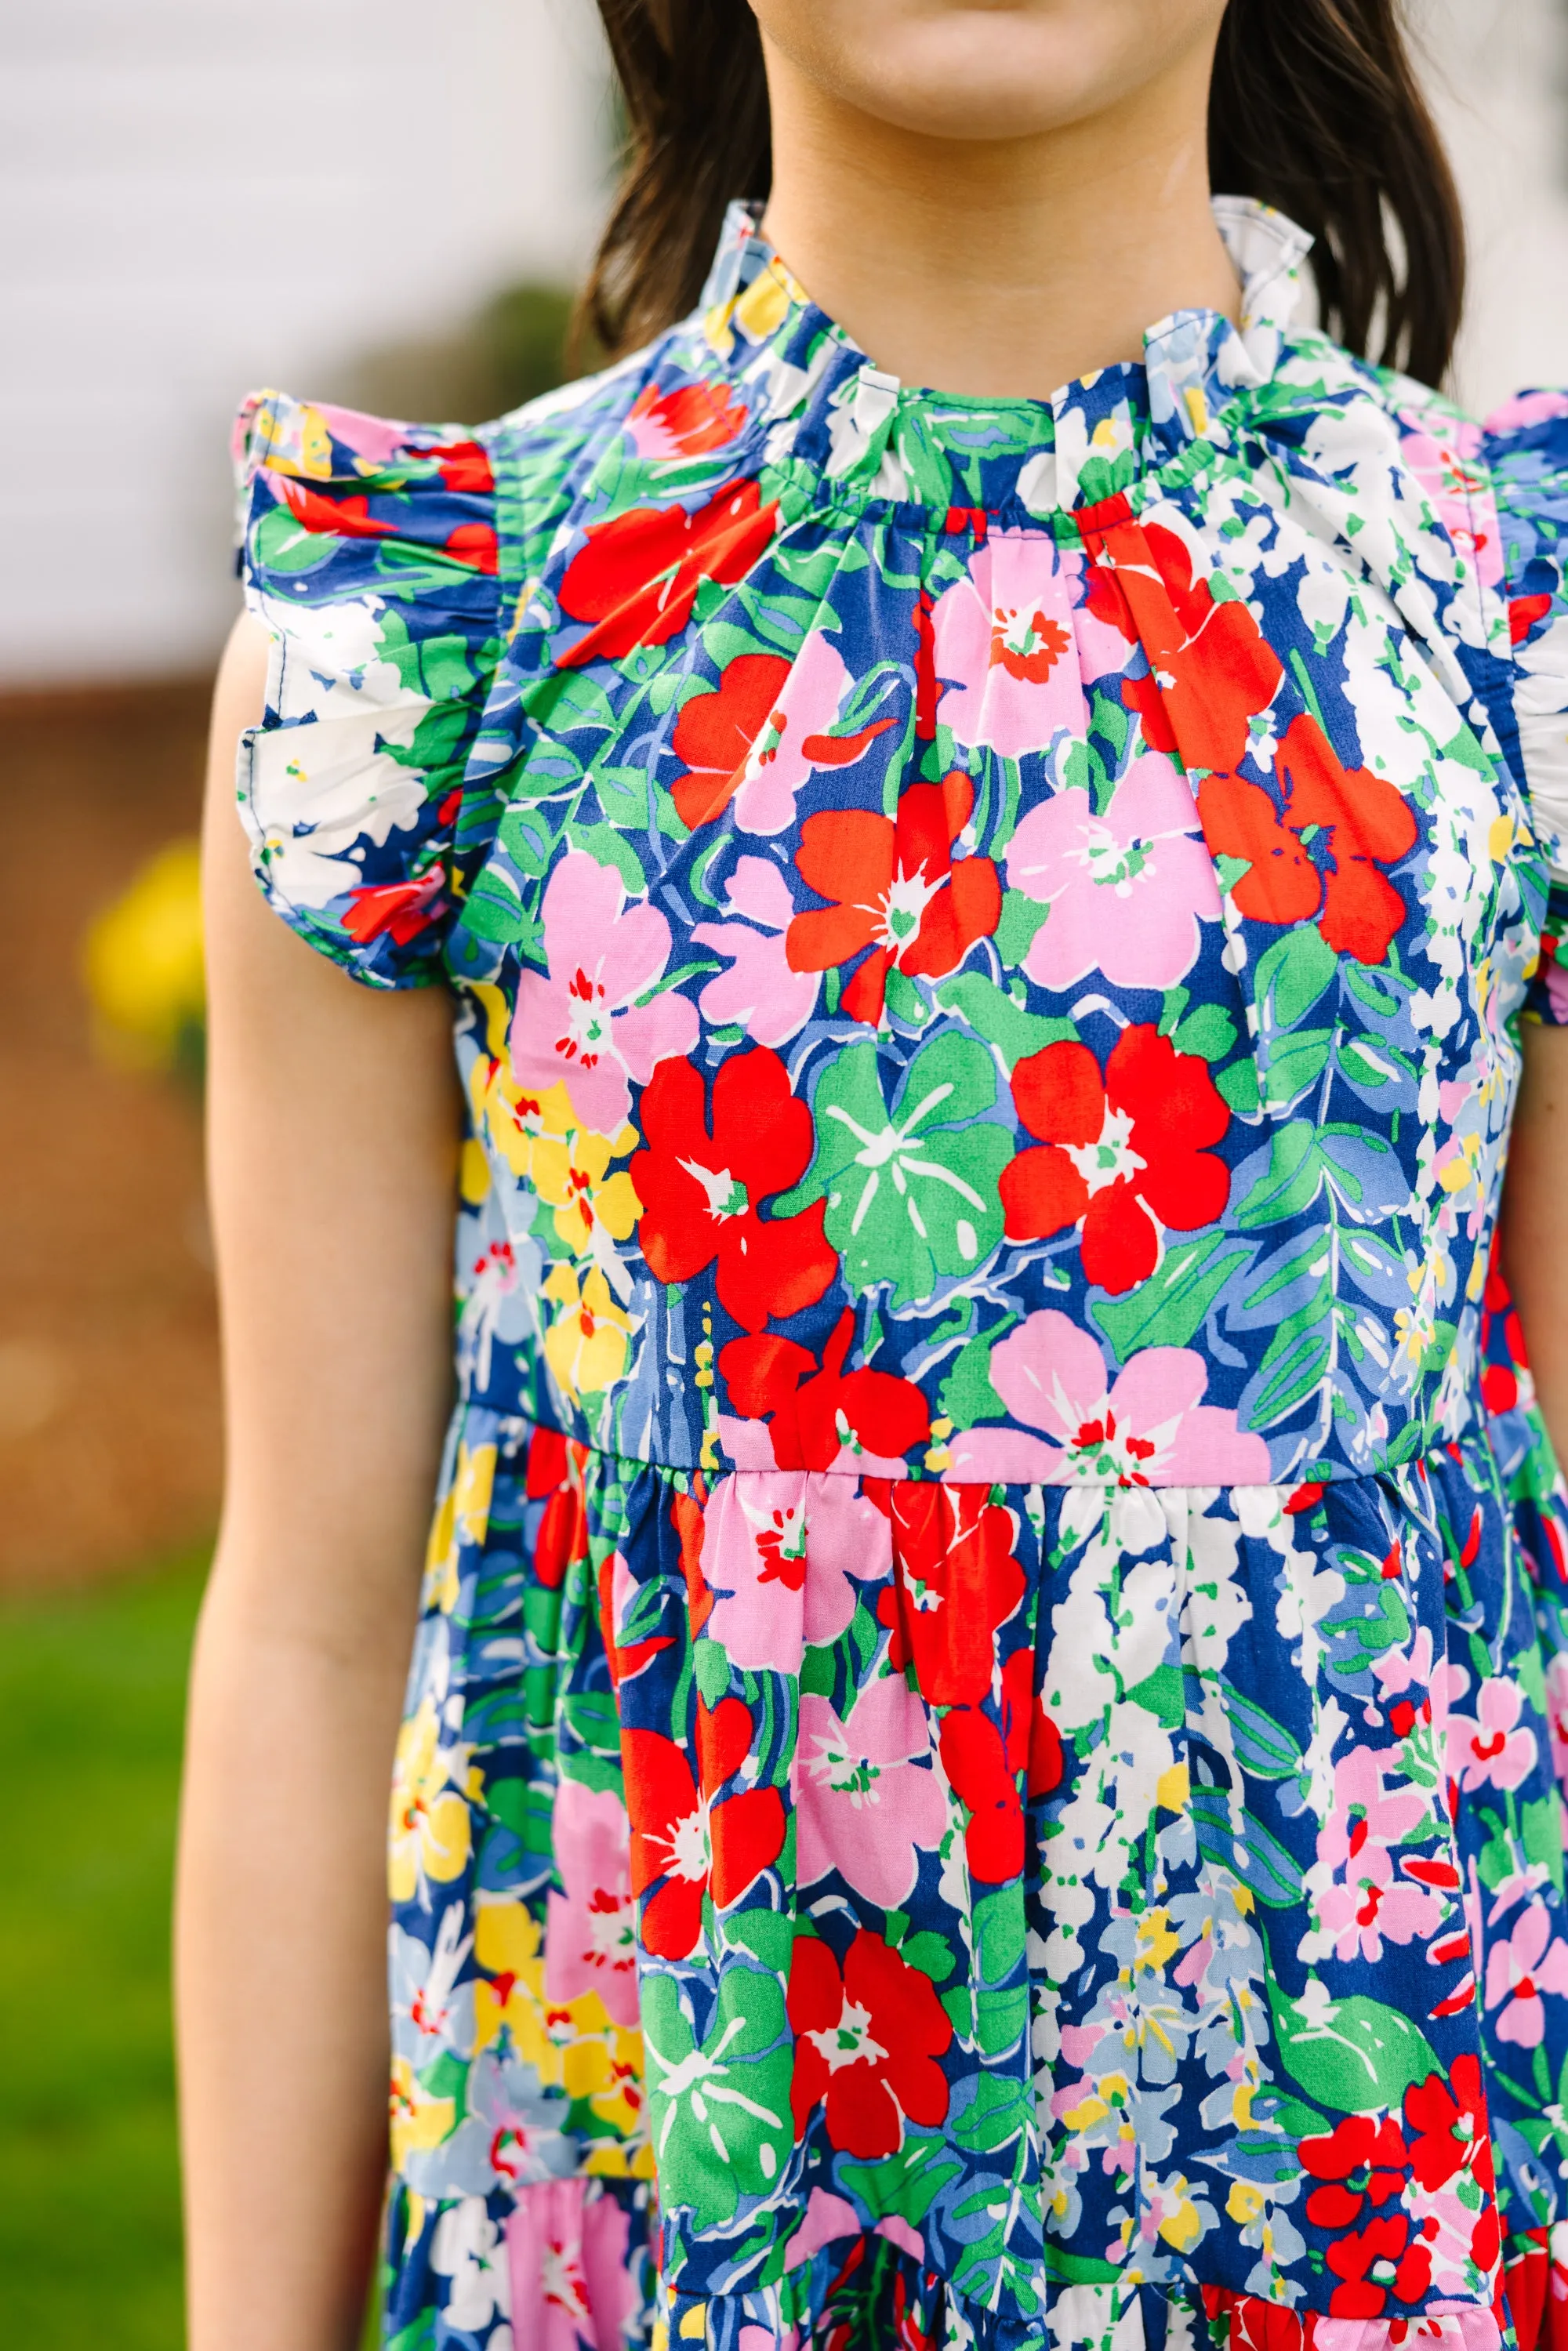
1528, 452
368, 550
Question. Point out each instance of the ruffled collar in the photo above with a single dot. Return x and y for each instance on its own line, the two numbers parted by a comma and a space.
819, 403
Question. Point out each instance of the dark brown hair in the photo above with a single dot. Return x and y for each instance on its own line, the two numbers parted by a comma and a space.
1314, 107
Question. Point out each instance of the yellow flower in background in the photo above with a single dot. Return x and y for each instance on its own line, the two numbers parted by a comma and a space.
430, 1831
142, 963
573, 1175
587, 1344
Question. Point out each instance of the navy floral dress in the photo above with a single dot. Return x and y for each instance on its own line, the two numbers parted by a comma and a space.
981, 1763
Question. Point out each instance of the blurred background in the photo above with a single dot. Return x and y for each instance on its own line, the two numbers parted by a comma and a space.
373, 201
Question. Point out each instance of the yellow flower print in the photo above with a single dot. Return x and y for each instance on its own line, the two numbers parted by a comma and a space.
510, 1994
509, 1114
587, 1345
512, 1117
418, 2120
463, 1517
1157, 1943
431, 1831
292, 437
573, 1176
1179, 2223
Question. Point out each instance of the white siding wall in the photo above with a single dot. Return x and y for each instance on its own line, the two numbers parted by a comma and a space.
200, 195
197, 196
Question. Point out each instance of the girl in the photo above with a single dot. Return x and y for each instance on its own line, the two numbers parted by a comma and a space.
978, 1764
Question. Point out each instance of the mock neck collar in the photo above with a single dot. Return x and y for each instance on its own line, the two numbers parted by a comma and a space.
826, 404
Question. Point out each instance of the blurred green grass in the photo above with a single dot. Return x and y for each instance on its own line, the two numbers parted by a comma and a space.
91, 1709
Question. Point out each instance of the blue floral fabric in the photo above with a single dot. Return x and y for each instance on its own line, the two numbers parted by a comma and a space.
980, 1760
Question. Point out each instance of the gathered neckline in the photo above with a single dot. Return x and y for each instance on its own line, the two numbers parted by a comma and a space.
819, 406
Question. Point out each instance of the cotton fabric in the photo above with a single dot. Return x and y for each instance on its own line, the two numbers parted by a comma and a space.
981, 1762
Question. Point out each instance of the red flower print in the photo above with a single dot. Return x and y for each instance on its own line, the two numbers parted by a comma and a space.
1118, 1150
867, 2040
955, 1582
616, 1589
1253, 2324
475, 544
1358, 823
895, 890
1027, 644
685, 1834
985, 1760
1447, 2126
717, 731
404, 909
465, 467
1361, 2161
1379, 2250
686, 422
555, 1471
637, 578
1210, 668
700, 1186
777, 1376
344, 518
686, 1518
1524, 612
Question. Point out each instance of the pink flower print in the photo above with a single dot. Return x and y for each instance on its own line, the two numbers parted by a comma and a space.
1126, 890
583, 1024
1527, 408
1519, 1970
760, 991
1450, 473
1371, 1902
591, 1944
1486, 1749
866, 1798
571, 2284
1003, 646
828, 2217
1150, 1428
795, 741
1371, 1905
779, 1551
1398, 1670
1557, 1714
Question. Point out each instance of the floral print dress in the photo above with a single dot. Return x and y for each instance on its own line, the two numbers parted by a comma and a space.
981, 1761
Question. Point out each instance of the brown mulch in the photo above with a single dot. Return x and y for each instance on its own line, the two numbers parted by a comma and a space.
108, 1386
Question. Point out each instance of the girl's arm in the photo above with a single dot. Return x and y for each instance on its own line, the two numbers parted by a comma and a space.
333, 1128
1535, 1222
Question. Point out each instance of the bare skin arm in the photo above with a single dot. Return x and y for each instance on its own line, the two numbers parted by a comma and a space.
332, 1137
1535, 1222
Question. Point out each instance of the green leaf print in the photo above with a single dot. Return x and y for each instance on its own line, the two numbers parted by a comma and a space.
1289, 1181
1266, 1868
911, 1193
1291, 975
1021, 917
1210, 1031
992, 1014
1295, 1063
967, 1395
906, 2183
1164, 1310
719, 2112
1354, 2055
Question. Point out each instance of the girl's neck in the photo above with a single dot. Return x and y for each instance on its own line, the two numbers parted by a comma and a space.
1005, 269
